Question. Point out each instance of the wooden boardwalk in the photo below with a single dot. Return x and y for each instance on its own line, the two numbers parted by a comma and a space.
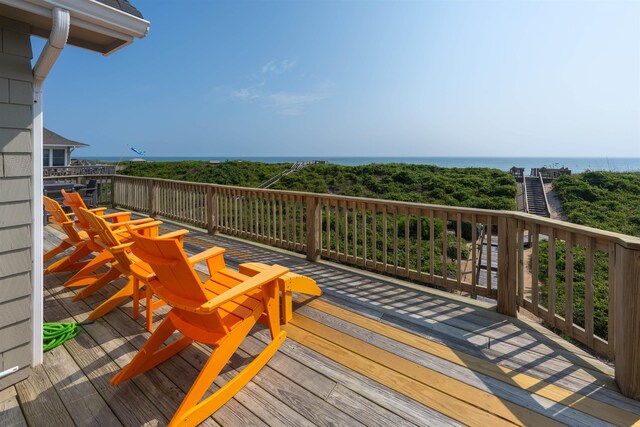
371, 351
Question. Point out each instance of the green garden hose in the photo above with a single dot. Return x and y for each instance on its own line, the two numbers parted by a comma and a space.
54, 334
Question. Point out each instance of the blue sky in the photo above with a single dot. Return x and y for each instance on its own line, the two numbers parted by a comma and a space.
357, 78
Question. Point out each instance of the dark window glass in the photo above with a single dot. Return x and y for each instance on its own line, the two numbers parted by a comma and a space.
58, 157
45, 157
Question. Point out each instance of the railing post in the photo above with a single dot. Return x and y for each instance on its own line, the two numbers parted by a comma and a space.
627, 321
507, 265
313, 227
113, 191
151, 197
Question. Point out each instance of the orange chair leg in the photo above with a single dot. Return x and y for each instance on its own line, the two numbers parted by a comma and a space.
63, 246
71, 262
149, 355
103, 280
191, 413
114, 301
136, 298
83, 276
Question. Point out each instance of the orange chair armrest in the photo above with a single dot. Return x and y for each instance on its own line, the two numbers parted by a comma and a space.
120, 248
174, 234
125, 233
205, 255
144, 225
132, 222
118, 216
97, 211
268, 275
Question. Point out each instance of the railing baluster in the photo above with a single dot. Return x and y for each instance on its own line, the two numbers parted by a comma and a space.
520, 263
302, 221
345, 230
336, 227
327, 231
432, 245
364, 234
489, 254
395, 240
385, 237
355, 231
535, 269
551, 279
474, 256
407, 242
374, 236
419, 243
568, 280
588, 291
459, 250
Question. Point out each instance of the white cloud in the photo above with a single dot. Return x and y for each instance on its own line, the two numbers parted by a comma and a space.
294, 103
285, 102
278, 67
245, 94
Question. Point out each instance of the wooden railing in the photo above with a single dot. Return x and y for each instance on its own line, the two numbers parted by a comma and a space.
581, 281
58, 171
104, 185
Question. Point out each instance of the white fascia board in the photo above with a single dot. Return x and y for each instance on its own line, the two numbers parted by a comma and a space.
105, 16
90, 15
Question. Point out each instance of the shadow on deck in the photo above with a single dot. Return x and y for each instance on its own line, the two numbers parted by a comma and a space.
370, 351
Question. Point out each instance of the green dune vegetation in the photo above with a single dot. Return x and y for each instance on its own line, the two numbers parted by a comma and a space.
469, 187
605, 200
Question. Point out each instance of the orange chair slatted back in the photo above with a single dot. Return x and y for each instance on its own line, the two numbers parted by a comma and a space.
100, 227
60, 217
176, 282
75, 202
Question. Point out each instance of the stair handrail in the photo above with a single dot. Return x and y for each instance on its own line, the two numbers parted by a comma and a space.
544, 193
524, 192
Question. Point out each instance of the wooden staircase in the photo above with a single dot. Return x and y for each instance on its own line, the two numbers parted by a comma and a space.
535, 196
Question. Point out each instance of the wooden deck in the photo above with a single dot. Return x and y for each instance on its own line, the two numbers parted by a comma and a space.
371, 351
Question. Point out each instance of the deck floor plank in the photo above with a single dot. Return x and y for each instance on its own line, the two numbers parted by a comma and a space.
468, 376
335, 367
444, 357
40, 402
127, 402
10, 413
82, 400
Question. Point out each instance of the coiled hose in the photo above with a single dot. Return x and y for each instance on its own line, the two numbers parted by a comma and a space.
54, 334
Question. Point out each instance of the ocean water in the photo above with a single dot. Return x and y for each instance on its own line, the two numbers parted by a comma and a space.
576, 164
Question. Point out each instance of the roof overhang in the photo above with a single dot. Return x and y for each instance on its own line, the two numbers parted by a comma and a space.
94, 26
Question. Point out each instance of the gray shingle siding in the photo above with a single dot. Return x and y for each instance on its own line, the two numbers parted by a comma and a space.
16, 175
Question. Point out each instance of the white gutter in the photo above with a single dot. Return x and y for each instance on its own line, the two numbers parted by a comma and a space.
48, 56
90, 15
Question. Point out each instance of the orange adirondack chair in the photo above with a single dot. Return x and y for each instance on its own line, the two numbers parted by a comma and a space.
79, 240
123, 259
85, 276
219, 312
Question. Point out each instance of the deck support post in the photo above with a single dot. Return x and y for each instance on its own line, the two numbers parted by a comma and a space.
313, 227
151, 197
627, 321
507, 266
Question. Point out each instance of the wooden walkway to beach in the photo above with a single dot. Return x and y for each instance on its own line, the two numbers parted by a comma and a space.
371, 351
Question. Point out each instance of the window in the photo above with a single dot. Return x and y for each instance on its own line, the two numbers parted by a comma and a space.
45, 157
58, 157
